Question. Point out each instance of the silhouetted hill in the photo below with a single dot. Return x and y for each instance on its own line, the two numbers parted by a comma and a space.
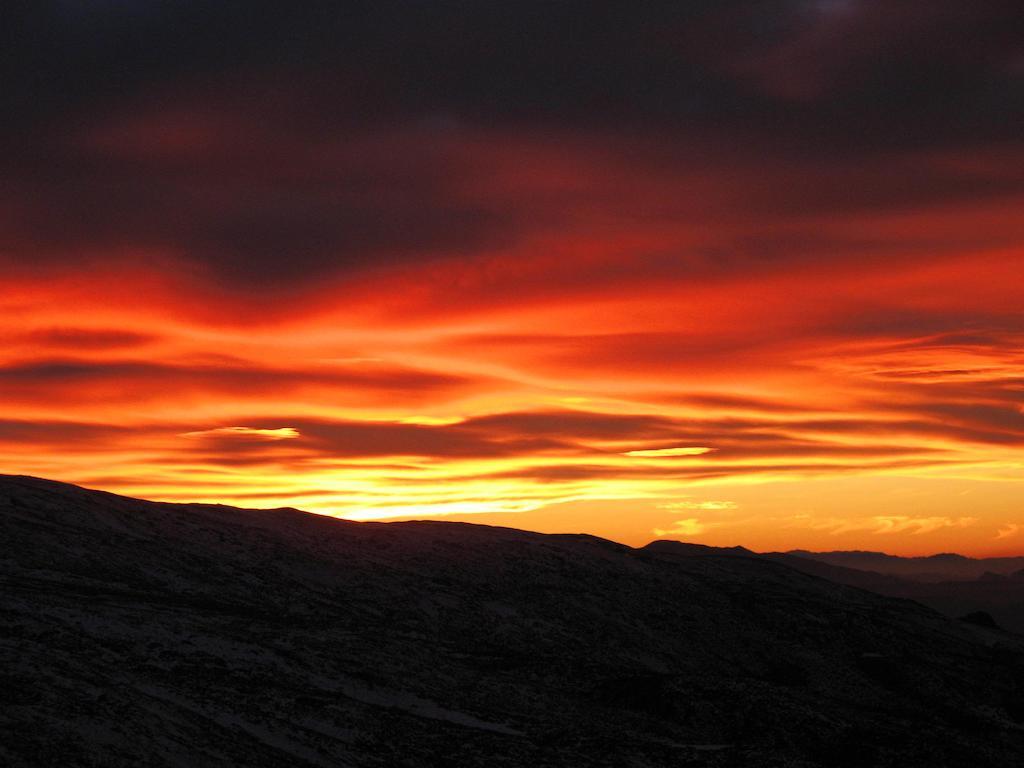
967, 585
135, 633
941, 567
1001, 596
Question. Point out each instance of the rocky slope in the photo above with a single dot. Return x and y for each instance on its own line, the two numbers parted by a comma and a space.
141, 634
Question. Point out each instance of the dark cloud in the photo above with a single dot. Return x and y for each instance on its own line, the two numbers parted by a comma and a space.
251, 210
579, 434
232, 136
77, 381
592, 472
1006, 420
60, 433
637, 352
715, 402
975, 328
720, 62
378, 439
904, 427
71, 339
580, 425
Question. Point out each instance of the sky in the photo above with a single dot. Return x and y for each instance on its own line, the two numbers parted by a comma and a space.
729, 272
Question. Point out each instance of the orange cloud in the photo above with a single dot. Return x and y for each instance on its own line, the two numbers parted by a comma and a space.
208, 298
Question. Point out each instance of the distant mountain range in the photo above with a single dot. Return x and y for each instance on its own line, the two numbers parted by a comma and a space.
952, 584
943, 567
135, 633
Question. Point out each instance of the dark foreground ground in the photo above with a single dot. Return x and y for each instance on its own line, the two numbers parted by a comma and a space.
142, 634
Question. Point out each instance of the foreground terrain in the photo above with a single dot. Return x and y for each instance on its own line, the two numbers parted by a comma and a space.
135, 633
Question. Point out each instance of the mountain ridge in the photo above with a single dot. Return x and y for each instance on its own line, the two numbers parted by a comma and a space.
145, 633
938, 567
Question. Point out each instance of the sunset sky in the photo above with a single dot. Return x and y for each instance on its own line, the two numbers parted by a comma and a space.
729, 272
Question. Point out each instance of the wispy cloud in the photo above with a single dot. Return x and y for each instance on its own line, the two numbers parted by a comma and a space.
668, 452
691, 526
1010, 530
250, 433
883, 524
704, 505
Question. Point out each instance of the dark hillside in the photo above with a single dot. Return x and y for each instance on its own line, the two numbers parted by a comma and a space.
141, 634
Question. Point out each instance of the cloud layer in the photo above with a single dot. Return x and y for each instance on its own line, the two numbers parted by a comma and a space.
401, 258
